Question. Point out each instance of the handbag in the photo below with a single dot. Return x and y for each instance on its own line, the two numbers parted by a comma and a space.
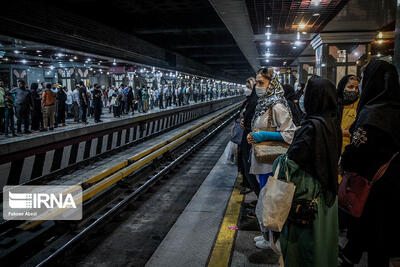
268, 151
354, 190
275, 201
303, 211
237, 133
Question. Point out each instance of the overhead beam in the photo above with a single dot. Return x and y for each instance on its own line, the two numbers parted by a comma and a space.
214, 55
236, 18
182, 30
204, 46
222, 62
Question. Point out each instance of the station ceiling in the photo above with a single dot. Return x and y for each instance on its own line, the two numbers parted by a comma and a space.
228, 38
189, 27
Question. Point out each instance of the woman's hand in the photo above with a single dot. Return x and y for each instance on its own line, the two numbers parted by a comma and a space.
250, 139
346, 133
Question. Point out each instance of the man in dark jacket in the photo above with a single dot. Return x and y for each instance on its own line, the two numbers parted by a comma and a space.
23, 106
97, 103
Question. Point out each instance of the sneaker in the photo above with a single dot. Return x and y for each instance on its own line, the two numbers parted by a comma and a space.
51, 128
263, 244
27, 132
245, 191
258, 238
43, 130
251, 215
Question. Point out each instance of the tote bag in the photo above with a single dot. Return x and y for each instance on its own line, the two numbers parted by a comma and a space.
275, 201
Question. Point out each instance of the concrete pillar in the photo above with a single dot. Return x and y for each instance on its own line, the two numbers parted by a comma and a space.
342, 53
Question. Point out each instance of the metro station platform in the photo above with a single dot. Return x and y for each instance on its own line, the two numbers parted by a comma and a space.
213, 230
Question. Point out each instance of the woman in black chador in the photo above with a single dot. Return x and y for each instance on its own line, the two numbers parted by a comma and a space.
375, 139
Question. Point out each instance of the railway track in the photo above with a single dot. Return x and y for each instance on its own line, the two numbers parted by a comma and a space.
109, 192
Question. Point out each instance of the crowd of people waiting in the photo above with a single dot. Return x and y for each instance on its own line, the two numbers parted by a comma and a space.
45, 106
329, 132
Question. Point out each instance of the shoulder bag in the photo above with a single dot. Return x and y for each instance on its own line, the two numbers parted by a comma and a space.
354, 190
268, 151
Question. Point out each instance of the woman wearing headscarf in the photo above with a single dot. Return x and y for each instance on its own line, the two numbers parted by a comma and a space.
248, 109
348, 97
310, 235
375, 139
272, 111
290, 96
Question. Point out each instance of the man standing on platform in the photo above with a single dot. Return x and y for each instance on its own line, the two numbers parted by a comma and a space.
75, 103
83, 101
48, 107
97, 103
2, 106
23, 106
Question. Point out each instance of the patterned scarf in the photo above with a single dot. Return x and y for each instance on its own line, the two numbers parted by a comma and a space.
275, 94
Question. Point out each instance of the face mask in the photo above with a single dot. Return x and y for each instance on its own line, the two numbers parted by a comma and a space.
350, 97
301, 104
261, 91
247, 91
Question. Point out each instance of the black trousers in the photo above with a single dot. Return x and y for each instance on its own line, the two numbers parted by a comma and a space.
22, 117
245, 158
2, 118
97, 111
84, 111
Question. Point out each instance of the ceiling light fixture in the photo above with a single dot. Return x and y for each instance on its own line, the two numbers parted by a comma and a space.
302, 25
316, 2
380, 41
268, 26
38, 51
316, 14
380, 35
297, 43
16, 52
75, 57
267, 60
304, 32
298, 36
71, 59
268, 43
294, 47
24, 61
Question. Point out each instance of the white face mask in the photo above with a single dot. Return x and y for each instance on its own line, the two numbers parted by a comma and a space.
247, 91
261, 91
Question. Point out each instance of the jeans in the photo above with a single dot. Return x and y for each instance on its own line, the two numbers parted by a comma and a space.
75, 111
9, 120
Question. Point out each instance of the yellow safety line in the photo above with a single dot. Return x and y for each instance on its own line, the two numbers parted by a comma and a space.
120, 174
221, 253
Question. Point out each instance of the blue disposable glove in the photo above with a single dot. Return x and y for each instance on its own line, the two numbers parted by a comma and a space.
262, 136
